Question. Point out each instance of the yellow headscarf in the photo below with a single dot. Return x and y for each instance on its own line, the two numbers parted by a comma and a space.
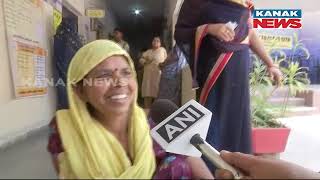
91, 152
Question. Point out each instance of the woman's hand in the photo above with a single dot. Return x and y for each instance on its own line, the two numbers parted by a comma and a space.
148, 62
221, 31
144, 61
162, 65
257, 46
275, 74
260, 168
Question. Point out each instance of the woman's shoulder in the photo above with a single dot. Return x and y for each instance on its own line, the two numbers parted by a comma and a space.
163, 49
148, 51
160, 51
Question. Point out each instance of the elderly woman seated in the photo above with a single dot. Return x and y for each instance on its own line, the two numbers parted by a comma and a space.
104, 133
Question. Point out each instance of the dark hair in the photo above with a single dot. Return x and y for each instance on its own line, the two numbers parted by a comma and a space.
157, 37
117, 29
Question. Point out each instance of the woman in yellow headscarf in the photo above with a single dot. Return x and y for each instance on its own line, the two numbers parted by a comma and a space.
104, 133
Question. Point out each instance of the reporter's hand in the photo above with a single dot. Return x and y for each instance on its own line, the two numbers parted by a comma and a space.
260, 168
221, 31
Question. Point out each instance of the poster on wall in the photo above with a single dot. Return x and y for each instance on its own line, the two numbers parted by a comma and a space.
95, 13
279, 43
25, 28
297, 45
57, 19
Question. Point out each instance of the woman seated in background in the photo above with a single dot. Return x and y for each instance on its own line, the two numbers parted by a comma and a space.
152, 73
171, 76
104, 133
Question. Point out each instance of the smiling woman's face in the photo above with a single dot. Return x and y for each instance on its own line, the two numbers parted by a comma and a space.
110, 87
156, 42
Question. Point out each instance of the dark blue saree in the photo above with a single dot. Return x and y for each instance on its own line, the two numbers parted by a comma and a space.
220, 69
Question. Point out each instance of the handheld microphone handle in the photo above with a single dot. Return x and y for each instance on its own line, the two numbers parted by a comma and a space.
213, 155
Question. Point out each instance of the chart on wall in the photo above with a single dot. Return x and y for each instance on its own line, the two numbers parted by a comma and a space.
25, 28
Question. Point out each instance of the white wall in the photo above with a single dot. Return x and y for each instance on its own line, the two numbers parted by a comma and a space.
19, 116
75, 6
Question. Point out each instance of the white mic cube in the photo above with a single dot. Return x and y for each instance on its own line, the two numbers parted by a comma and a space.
174, 133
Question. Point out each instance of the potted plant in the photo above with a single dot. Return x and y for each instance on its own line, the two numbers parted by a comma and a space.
268, 135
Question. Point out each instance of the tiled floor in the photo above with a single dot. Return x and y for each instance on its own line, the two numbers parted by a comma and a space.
304, 141
27, 159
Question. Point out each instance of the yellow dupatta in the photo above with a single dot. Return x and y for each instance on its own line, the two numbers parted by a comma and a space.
91, 152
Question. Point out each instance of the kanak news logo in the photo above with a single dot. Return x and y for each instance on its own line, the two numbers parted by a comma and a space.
277, 18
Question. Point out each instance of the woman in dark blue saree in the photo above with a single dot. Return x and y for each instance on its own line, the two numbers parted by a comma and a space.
219, 58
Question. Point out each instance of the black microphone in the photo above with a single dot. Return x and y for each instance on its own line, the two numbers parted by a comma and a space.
161, 109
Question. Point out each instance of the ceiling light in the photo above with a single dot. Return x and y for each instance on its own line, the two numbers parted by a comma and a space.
137, 12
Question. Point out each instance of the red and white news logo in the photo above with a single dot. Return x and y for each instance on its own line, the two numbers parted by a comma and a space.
277, 18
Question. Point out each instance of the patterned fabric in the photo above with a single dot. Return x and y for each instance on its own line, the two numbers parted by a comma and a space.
169, 166
173, 167
54, 144
170, 83
66, 43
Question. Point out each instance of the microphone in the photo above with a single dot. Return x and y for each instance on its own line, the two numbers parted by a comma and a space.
161, 109
213, 155
180, 131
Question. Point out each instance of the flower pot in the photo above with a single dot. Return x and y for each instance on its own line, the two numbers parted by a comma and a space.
269, 140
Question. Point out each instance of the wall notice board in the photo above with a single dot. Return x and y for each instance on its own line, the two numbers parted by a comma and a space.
25, 27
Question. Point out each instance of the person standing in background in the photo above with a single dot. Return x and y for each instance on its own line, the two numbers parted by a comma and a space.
171, 76
118, 38
66, 43
152, 73
203, 34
